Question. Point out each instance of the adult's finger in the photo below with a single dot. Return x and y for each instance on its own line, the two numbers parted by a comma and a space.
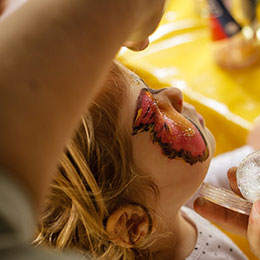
137, 46
152, 13
253, 232
231, 174
253, 138
223, 217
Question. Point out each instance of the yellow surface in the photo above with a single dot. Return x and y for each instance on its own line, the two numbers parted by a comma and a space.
180, 55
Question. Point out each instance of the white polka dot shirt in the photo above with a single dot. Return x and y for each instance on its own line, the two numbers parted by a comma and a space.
212, 243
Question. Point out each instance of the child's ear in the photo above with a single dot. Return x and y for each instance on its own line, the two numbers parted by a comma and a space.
128, 225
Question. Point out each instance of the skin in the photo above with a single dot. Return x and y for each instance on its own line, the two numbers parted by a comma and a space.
2, 5
138, 40
253, 138
176, 179
177, 136
59, 49
247, 226
243, 225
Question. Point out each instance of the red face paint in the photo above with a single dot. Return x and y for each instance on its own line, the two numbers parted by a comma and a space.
177, 136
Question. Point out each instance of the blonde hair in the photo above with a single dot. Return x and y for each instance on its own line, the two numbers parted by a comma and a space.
96, 174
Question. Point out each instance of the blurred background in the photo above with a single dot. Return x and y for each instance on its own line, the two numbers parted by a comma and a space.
210, 50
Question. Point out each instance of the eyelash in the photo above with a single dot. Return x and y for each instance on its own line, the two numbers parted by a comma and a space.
154, 91
151, 90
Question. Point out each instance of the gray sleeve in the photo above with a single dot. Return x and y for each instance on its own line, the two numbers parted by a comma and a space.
17, 223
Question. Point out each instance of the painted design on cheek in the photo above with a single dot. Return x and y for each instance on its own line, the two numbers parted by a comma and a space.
177, 136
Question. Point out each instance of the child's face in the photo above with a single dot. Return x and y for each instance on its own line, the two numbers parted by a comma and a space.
170, 141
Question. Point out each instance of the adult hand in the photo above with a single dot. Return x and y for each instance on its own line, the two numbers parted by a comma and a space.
253, 138
2, 5
152, 13
247, 226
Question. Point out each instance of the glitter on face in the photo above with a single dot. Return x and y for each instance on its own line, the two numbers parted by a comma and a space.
177, 136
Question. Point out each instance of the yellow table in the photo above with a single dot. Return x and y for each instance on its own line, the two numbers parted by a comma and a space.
180, 55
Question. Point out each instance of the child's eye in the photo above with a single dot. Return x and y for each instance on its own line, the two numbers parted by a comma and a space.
150, 90
154, 91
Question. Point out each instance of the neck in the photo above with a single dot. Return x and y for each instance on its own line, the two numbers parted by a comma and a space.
180, 243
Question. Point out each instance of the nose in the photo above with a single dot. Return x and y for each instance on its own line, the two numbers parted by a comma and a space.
170, 96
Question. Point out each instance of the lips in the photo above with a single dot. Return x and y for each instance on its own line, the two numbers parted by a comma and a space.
177, 136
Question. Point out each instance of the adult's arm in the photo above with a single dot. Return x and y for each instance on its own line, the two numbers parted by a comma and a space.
54, 56
2, 6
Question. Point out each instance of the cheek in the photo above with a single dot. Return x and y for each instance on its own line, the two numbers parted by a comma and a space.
178, 174
177, 136
176, 180
166, 172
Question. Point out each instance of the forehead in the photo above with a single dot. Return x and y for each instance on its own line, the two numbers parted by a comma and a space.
134, 86
136, 83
